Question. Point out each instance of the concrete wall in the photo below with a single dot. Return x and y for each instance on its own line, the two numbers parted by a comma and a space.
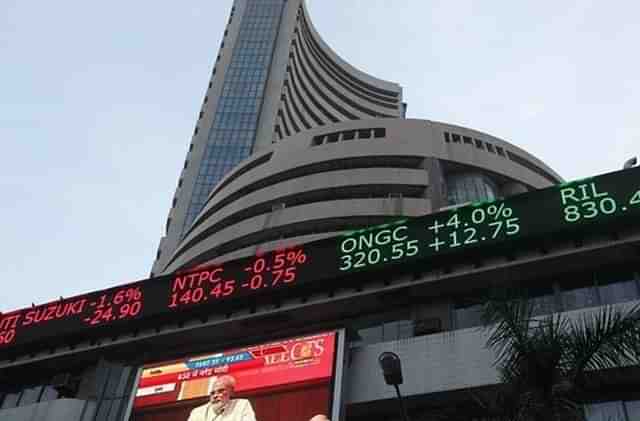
420, 140
434, 363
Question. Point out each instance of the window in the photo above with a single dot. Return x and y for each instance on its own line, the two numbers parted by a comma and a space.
456, 138
605, 411
467, 140
467, 314
469, 187
30, 395
617, 287
578, 292
479, 144
364, 134
349, 135
542, 301
500, 151
633, 410
10, 400
383, 327
490, 147
447, 137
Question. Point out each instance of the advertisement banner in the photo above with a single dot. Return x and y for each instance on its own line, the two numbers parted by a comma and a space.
270, 379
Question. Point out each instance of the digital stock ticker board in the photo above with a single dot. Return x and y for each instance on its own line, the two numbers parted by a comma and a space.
598, 202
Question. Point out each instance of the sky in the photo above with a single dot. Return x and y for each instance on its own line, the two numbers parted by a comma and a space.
98, 101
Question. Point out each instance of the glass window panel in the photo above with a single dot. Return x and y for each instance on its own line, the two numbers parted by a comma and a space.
470, 187
49, 393
617, 286
605, 411
579, 298
371, 335
633, 410
10, 400
578, 290
542, 300
30, 395
104, 409
469, 316
618, 292
405, 329
390, 331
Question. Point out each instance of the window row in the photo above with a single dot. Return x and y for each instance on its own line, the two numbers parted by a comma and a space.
226, 135
568, 292
243, 89
456, 138
235, 149
237, 102
373, 133
244, 108
265, 33
613, 411
247, 79
450, 137
235, 117
235, 124
212, 167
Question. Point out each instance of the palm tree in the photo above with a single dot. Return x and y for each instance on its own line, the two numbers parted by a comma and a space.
544, 361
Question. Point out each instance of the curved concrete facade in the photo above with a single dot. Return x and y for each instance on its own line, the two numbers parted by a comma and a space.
329, 179
273, 77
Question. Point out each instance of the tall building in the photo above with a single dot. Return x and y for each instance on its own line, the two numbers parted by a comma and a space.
293, 143
273, 77
314, 227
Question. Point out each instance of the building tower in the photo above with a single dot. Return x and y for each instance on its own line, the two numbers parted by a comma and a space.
273, 77
294, 144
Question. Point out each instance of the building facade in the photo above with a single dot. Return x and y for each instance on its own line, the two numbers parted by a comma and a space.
273, 77
291, 136
293, 146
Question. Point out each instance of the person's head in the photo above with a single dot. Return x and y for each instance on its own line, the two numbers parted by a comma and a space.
222, 390
319, 417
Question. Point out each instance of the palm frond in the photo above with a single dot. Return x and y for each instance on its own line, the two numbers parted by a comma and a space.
603, 339
508, 319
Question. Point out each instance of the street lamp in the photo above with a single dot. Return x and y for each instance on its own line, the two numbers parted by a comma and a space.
392, 372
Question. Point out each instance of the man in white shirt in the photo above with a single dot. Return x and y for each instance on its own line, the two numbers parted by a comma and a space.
221, 407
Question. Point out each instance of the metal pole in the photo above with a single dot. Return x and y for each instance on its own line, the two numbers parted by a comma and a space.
404, 409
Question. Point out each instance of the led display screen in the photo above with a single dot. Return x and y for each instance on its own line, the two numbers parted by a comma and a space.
597, 203
540, 214
288, 379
